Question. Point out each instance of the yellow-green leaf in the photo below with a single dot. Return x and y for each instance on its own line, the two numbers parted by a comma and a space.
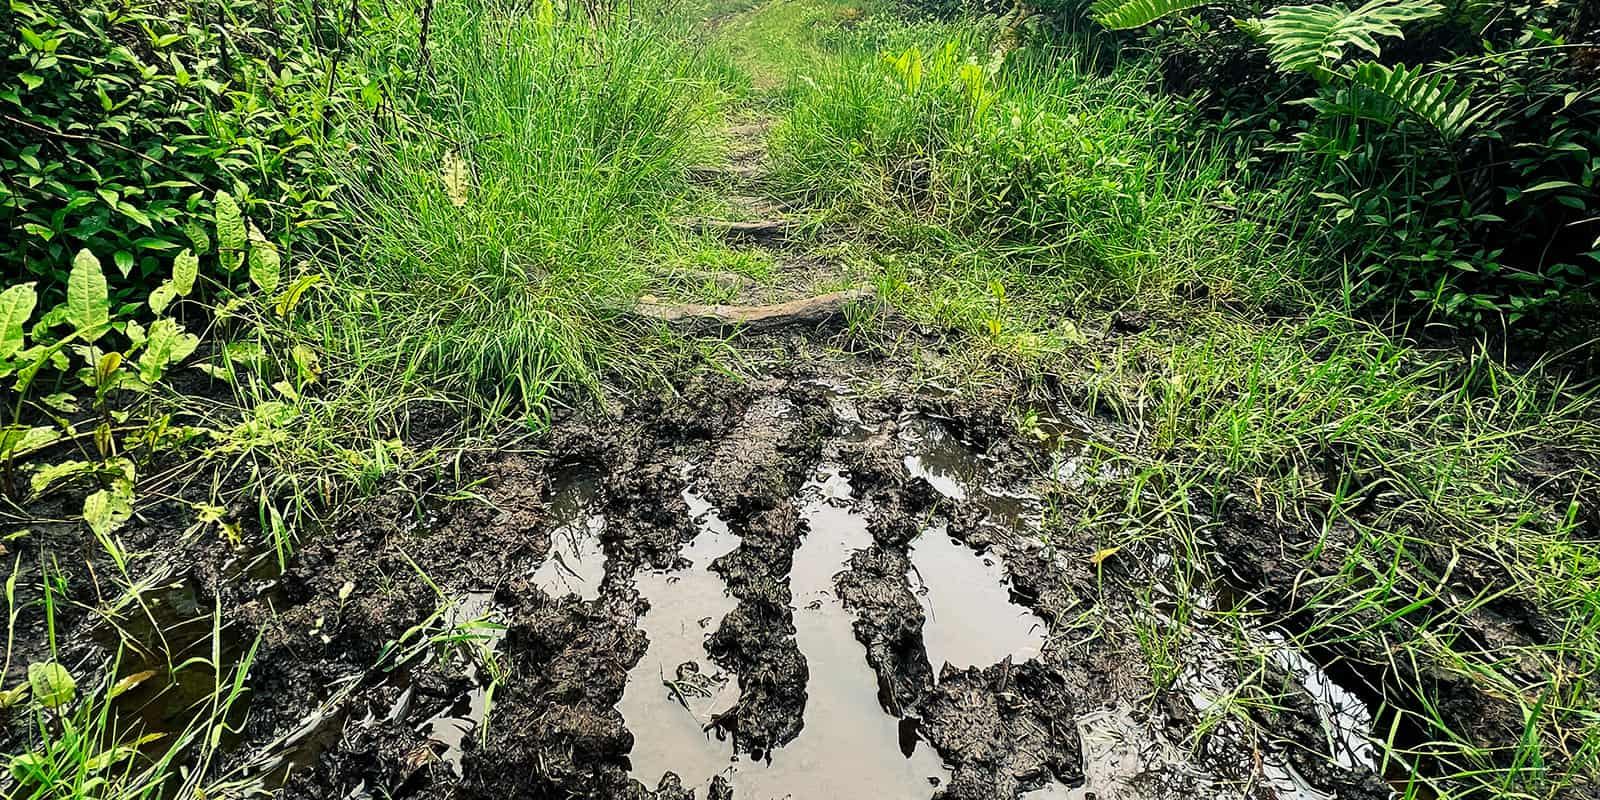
16, 306
105, 511
231, 240
88, 303
162, 296
167, 345
264, 263
52, 685
185, 269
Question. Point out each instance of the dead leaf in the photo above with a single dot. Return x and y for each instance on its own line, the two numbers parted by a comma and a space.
1102, 555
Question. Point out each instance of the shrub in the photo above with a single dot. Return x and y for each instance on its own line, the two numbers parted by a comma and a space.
122, 118
1452, 149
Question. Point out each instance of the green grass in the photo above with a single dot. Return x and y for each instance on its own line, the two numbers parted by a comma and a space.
571, 143
1026, 196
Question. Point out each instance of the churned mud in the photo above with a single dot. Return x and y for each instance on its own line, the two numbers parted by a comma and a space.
748, 590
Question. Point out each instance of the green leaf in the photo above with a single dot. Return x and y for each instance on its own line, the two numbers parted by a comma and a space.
185, 269
1311, 38
162, 296
17, 441
88, 305
167, 344
230, 231
264, 262
124, 261
1124, 14
1548, 185
197, 237
107, 509
52, 474
1431, 99
16, 306
52, 685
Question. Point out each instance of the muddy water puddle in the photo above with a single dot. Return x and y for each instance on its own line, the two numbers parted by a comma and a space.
958, 472
972, 620
674, 691
576, 563
848, 746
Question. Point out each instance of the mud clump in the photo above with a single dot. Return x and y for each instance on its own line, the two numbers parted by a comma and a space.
754, 475
889, 624
1002, 728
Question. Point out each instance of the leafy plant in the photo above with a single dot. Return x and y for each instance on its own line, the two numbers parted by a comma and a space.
1314, 38
81, 331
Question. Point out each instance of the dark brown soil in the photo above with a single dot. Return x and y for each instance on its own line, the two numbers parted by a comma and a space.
350, 680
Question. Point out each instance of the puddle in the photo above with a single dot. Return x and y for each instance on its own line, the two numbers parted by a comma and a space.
848, 746
668, 723
971, 619
1346, 721
576, 563
941, 459
1345, 718
474, 615
958, 473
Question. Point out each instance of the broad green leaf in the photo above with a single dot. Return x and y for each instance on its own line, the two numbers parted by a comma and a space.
185, 269
264, 262
16, 306
107, 509
52, 474
124, 262
197, 237
17, 441
88, 304
162, 296
167, 344
1124, 14
231, 239
52, 685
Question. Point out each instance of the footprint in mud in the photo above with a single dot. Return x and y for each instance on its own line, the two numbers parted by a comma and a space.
971, 618
576, 563
674, 691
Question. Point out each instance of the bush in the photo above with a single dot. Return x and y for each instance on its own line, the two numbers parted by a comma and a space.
1461, 186
123, 118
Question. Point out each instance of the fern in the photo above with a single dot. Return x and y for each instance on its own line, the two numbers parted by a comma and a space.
1124, 14
1433, 100
1312, 38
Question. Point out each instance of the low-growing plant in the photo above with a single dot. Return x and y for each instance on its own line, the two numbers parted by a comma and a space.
97, 355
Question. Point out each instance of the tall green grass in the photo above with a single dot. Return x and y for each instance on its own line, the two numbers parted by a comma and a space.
566, 140
1073, 166
1031, 196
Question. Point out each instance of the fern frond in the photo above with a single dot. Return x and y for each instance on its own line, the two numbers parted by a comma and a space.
1124, 14
1312, 38
1433, 100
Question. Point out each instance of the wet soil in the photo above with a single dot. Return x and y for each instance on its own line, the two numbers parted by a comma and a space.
752, 590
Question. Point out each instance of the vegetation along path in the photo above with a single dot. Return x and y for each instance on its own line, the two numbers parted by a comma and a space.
800, 399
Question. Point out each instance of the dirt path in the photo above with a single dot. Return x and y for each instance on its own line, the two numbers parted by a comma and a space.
780, 588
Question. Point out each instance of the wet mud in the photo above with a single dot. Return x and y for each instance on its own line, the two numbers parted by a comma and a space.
746, 590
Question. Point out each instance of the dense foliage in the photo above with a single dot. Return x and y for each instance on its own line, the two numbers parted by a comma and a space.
122, 119
1452, 148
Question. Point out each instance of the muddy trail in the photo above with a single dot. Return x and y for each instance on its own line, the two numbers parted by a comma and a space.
826, 582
